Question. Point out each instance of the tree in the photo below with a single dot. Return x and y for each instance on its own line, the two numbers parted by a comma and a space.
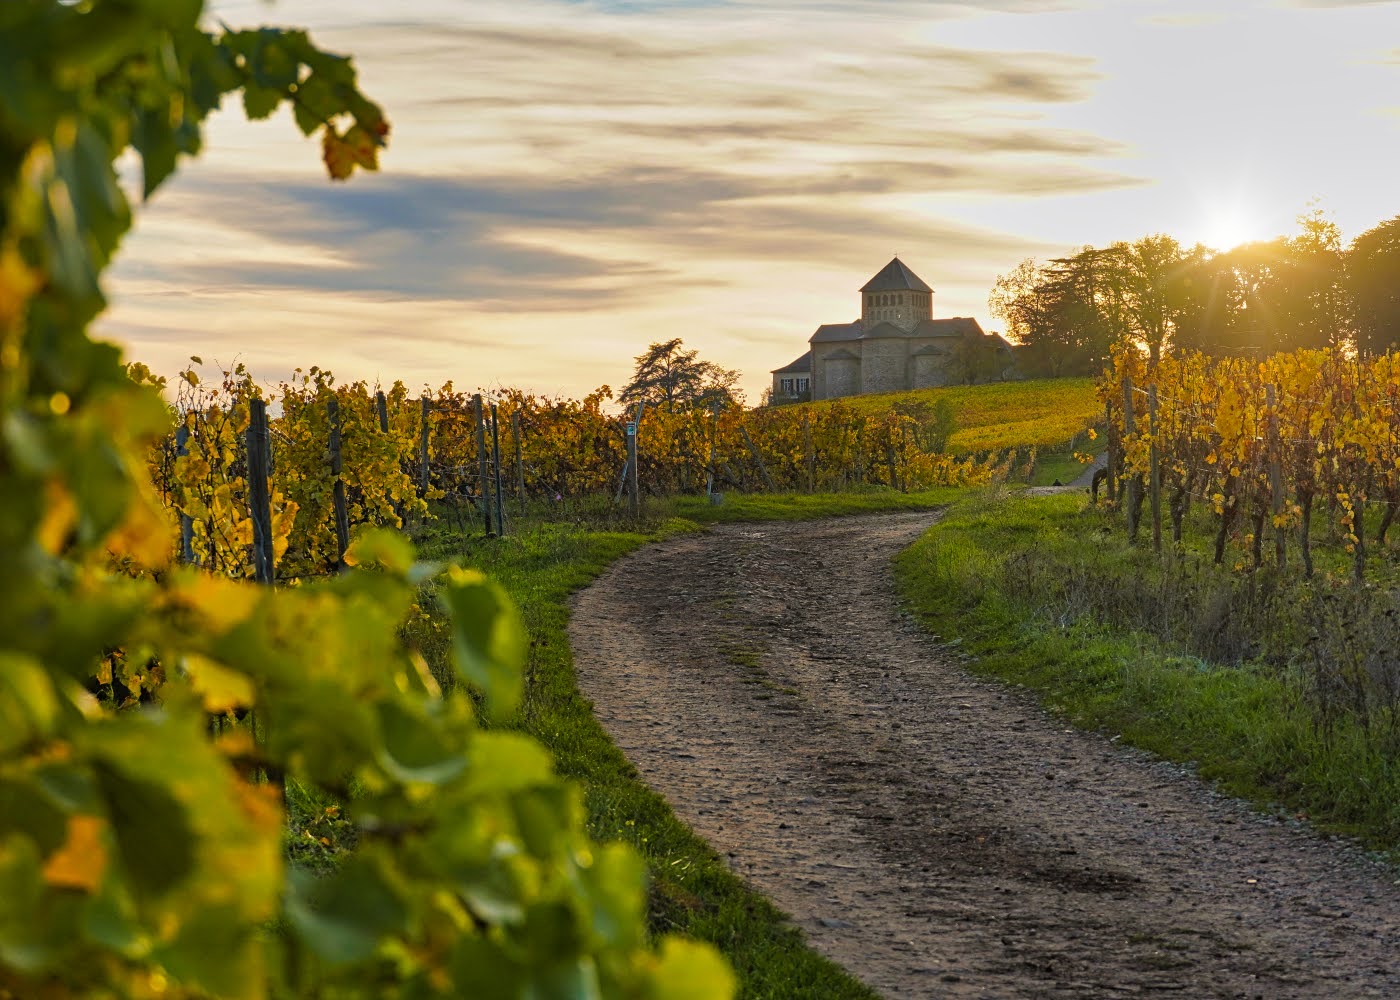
1063, 314
669, 375
141, 854
1373, 279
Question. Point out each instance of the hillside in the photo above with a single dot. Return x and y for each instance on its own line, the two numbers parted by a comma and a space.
1000, 415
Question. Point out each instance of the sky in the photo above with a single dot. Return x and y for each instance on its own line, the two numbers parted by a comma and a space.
569, 182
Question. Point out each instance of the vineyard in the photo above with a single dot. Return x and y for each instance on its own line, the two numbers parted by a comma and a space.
1263, 444
341, 456
997, 415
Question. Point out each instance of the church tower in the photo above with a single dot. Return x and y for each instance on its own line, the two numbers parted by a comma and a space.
896, 295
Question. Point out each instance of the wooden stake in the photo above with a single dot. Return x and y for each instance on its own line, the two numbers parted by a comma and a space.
483, 481
1276, 477
425, 406
810, 450
1134, 484
182, 449
496, 470
758, 459
258, 445
714, 442
519, 460
342, 514
1156, 472
634, 501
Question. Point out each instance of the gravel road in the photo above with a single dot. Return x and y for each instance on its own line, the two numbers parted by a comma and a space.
940, 835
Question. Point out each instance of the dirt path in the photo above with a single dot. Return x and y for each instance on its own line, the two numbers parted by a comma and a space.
936, 834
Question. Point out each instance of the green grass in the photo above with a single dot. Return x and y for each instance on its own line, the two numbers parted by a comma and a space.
1000, 415
693, 891
1087, 650
1059, 463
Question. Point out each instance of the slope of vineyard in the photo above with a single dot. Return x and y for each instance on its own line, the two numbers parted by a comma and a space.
1000, 415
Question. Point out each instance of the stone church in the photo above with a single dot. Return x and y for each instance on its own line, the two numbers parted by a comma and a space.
896, 344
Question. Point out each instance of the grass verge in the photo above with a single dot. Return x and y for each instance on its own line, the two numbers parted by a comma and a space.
693, 892
1247, 727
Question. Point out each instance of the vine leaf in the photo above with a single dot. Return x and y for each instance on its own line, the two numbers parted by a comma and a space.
488, 641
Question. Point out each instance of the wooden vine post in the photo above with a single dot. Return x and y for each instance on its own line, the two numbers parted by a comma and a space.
714, 443
758, 459
381, 406
482, 478
342, 513
634, 500
519, 461
258, 444
182, 449
1111, 468
426, 407
1155, 469
496, 471
811, 452
1276, 478
1134, 484
258, 451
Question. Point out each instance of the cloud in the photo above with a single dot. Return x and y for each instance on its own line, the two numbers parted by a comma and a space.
1197, 19
609, 241
1325, 4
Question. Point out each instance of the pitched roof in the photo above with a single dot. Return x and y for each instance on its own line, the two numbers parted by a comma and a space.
836, 331
802, 364
883, 331
952, 326
895, 277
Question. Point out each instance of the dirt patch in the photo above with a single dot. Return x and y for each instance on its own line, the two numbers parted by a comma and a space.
936, 834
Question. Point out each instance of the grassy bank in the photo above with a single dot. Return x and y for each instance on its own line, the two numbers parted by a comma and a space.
1236, 674
693, 890
1001, 414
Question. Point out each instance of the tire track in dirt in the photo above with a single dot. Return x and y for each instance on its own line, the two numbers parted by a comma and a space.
936, 834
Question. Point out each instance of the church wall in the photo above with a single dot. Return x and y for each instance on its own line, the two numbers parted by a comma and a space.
884, 365
842, 378
932, 371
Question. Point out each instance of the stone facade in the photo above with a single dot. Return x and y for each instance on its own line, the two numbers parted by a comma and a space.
896, 344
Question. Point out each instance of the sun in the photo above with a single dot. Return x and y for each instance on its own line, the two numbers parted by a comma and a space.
1225, 223
1228, 228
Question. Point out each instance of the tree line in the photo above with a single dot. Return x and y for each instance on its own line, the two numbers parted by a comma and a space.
1294, 292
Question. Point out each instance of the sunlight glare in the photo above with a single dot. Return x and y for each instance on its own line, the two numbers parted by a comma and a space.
1229, 227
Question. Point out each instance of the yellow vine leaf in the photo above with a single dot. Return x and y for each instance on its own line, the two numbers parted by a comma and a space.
262, 804
223, 603
17, 285
145, 533
81, 861
219, 688
60, 517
